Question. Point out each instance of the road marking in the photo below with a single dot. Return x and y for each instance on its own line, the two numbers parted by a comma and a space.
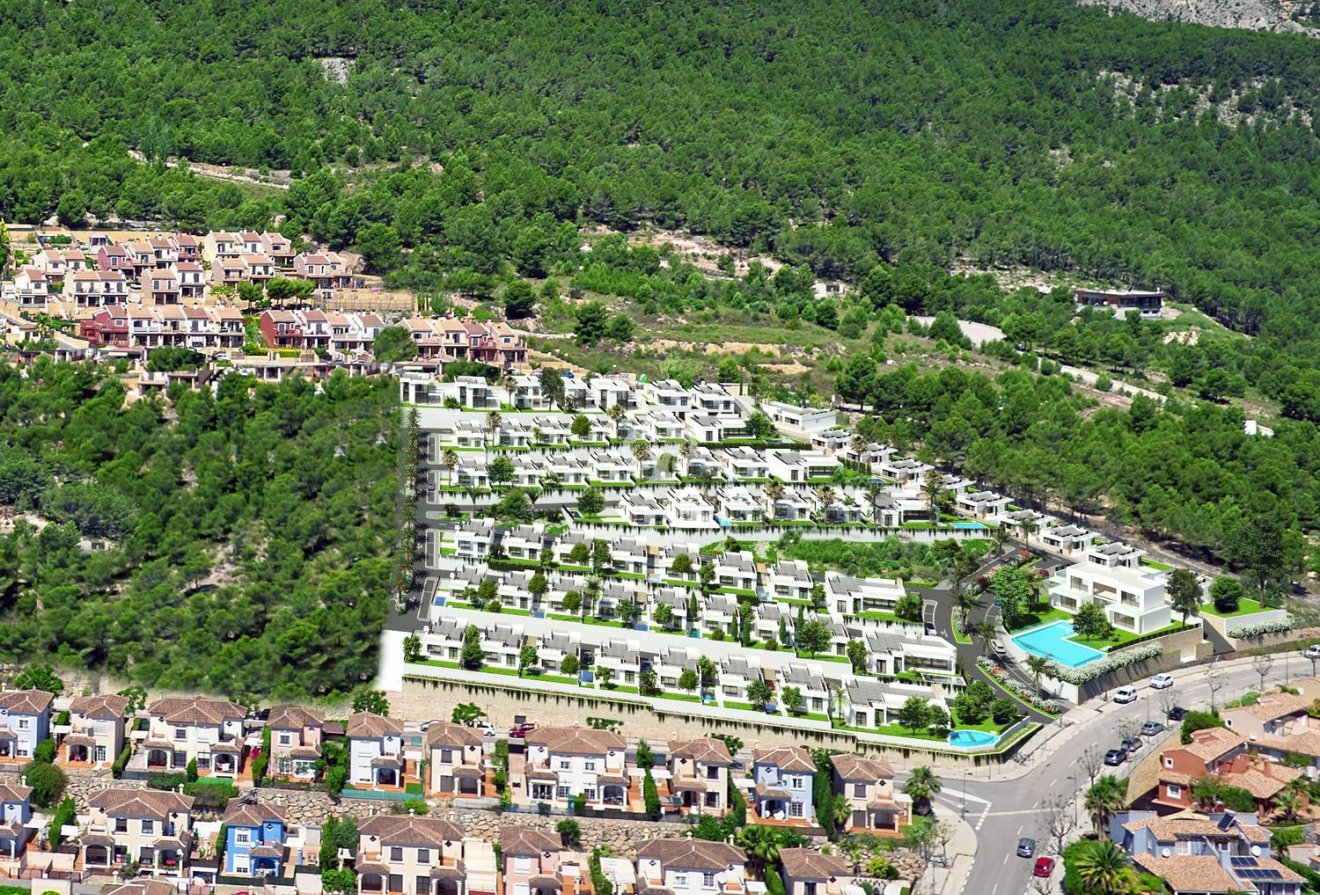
1014, 813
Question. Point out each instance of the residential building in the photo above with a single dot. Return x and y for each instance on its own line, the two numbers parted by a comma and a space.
409, 855
186, 729
455, 761
24, 723
1121, 301
93, 288
699, 775
15, 813
255, 836
1180, 764
783, 779
295, 742
1196, 855
809, 872
375, 750
563, 762
866, 785
531, 861
282, 329
31, 288
148, 827
1133, 601
96, 734
691, 867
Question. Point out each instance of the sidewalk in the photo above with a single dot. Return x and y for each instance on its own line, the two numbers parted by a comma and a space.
960, 854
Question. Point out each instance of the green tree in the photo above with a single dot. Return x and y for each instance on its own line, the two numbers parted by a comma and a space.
380, 247
47, 782
472, 656
590, 321
570, 665
1107, 795
373, 701
650, 796
1091, 623
792, 697
813, 637
394, 344
1185, 593
687, 680
519, 300
1226, 593
527, 658
922, 785
580, 427
591, 502
500, 471
858, 656
467, 714
759, 693
39, 677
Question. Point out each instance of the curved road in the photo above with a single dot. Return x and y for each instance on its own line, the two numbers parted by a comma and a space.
1006, 803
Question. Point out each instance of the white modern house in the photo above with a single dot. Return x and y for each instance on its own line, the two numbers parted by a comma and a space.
1133, 600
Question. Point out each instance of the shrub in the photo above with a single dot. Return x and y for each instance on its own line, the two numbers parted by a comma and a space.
413, 806
47, 782
45, 752
64, 816
117, 767
570, 832
191, 771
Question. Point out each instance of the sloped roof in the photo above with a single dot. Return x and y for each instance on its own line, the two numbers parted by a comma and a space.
196, 710
786, 758
372, 726
692, 854
810, 864
706, 750
407, 829
576, 740
855, 768
105, 707
28, 702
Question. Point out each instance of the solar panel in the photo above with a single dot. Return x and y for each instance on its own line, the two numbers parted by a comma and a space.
1226, 821
1242, 861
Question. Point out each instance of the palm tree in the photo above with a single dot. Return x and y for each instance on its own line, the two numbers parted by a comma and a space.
493, 420
510, 385
551, 481
774, 492
1289, 801
616, 414
922, 785
824, 496
964, 601
932, 486
999, 534
1106, 795
875, 492
1037, 665
641, 452
449, 460
1104, 868
984, 630
858, 445
686, 449
538, 435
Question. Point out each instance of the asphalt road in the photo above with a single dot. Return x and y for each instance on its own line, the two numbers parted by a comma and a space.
1005, 804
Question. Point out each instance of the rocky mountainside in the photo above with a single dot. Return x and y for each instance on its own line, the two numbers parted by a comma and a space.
1258, 15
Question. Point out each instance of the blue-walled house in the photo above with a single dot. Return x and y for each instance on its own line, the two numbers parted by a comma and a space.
254, 840
783, 781
15, 811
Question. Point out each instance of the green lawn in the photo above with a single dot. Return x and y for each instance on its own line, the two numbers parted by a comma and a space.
824, 658
745, 706
1041, 616
681, 697
811, 716
959, 636
880, 616
1156, 565
1120, 637
1245, 607
552, 678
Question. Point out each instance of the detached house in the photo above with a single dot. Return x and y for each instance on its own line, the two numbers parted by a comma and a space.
699, 775
15, 812
808, 872
531, 861
1181, 764
565, 761
97, 730
691, 867
208, 731
454, 759
147, 827
295, 741
866, 786
24, 723
254, 840
410, 855
783, 780
375, 749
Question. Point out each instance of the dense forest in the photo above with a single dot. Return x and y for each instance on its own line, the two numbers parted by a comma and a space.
1028, 132
239, 542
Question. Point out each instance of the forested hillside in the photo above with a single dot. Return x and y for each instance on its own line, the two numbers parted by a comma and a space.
249, 535
916, 131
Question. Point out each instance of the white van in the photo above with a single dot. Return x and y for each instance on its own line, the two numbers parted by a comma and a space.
1125, 694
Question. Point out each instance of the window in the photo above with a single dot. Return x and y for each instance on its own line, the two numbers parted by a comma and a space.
1168, 762
712, 772
286, 739
423, 856
564, 764
180, 733
242, 836
522, 865
396, 854
708, 880
1175, 791
561, 792
794, 809
591, 765
809, 887
121, 825
680, 881
446, 756
859, 790
148, 827
24, 723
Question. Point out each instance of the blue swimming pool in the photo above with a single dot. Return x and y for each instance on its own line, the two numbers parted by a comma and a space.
970, 739
968, 525
1051, 641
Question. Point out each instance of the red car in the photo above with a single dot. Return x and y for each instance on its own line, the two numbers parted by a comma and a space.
523, 729
1044, 867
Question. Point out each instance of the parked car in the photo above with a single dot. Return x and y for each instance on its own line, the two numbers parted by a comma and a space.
1026, 848
1130, 745
1161, 681
1312, 651
1115, 757
1125, 694
522, 730
1044, 868
1150, 728
1177, 713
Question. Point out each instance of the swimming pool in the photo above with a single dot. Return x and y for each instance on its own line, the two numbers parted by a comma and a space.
970, 739
1051, 641
967, 525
